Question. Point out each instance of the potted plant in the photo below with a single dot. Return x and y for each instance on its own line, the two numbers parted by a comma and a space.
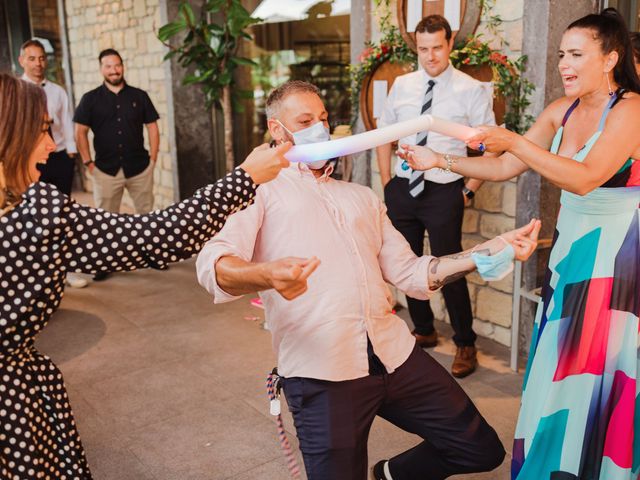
211, 47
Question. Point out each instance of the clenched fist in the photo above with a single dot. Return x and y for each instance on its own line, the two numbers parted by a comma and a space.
288, 276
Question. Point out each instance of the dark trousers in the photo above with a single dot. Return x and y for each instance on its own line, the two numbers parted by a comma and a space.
438, 211
59, 171
333, 420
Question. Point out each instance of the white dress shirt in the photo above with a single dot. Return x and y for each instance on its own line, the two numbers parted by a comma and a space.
60, 112
456, 97
323, 333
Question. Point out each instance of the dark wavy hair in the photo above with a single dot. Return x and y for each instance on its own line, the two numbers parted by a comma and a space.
611, 30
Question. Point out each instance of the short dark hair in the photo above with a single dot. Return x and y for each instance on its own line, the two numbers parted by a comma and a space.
107, 53
32, 43
279, 94
433, 24
635, 45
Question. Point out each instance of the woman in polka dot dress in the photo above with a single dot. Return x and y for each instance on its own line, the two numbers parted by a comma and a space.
43, 236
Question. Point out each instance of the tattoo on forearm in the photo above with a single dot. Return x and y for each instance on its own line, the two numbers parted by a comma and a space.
450, 278
467, 254
435, 263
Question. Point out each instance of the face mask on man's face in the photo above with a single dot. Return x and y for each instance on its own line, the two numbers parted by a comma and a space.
314, 134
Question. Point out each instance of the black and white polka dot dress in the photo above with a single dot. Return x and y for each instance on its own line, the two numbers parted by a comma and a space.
41, 239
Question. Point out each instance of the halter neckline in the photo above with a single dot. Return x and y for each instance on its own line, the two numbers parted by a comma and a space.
610, 104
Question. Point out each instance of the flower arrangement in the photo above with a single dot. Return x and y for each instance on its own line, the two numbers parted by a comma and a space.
507, 77
507, 73
392, 47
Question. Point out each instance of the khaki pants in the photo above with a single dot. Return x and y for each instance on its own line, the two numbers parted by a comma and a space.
108, 190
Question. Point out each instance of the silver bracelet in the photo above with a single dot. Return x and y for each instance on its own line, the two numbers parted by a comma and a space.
450, 161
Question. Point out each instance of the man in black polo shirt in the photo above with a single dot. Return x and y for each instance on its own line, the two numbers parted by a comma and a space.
115, 113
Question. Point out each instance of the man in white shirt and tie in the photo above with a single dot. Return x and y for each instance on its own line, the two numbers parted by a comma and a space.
60, 166
434, 200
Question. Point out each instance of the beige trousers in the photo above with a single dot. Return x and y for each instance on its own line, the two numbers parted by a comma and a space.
108, 190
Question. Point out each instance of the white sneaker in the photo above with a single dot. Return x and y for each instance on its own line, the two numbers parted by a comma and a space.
76, 281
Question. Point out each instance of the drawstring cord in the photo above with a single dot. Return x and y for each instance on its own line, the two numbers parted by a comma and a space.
273, 392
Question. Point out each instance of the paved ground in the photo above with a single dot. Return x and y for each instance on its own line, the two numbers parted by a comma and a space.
167, 386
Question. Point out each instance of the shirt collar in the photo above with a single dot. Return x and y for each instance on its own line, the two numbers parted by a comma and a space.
106, 89
441, 79
27, 79
303, 169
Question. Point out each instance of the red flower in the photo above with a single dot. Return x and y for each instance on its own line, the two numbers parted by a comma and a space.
466, 60
496, 57
365, 53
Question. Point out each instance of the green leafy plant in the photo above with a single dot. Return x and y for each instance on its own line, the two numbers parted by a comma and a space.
391, 47
507, 73
507, 78
210, 47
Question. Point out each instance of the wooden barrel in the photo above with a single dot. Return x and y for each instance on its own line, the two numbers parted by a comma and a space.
484, 73
386, 71
468, 21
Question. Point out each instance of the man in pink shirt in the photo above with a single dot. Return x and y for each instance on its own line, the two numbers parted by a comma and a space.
320, 251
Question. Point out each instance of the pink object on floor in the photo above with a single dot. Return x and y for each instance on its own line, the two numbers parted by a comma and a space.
257, 302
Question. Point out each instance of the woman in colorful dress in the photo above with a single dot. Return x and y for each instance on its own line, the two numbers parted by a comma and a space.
580, 416
43, 236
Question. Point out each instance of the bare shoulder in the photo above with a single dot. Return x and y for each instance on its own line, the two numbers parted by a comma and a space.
556, 110
559, 107
629, 104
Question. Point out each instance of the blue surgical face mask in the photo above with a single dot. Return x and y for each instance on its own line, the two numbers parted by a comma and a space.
495, 267
314, 134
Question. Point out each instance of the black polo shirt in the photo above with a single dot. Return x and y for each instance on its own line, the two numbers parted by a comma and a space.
116, 121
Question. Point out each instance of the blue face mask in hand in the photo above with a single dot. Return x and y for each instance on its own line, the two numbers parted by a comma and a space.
316, 133
495, 267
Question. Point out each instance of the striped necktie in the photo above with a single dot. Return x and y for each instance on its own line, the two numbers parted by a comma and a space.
416, 181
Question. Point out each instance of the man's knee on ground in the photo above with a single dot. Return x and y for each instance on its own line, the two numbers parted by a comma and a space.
489, 453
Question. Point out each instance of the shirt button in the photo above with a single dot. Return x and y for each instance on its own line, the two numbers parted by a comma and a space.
119, 132
120, 145
117, 106
118, 119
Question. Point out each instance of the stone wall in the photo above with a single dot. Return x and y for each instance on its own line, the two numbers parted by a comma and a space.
494, 207
493, 210
128, 26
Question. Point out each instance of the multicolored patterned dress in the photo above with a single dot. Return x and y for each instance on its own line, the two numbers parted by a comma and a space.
580, 406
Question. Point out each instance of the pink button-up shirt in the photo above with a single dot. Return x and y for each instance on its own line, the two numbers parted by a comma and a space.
323, 333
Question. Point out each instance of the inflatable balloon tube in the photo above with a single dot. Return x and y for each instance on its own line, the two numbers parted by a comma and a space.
313, 152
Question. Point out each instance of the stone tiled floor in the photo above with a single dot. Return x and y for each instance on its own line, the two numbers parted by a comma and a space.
167, 386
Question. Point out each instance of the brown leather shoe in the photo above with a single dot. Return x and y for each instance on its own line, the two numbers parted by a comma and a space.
465, 362
426, 341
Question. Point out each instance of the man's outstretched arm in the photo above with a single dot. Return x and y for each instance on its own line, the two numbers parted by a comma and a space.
449, 268
419, 277
288, 275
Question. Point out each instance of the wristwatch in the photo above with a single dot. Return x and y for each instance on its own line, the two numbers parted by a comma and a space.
468, 193
88, 162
